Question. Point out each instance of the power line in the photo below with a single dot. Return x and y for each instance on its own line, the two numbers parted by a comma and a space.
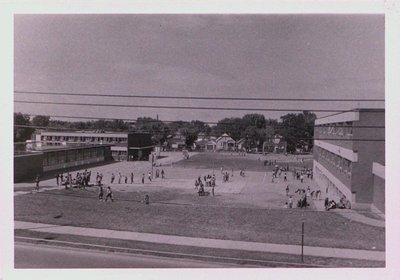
194, 97
179, 107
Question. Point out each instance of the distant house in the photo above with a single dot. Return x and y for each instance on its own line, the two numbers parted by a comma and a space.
200, 144
240, 145
275, 144
225, 143
176, 142
204, 143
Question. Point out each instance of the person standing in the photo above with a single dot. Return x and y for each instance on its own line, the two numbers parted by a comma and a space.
290, 204
58, 179
143, 178
162, 173
308, 193
287, 190
109, 194
112, 178
285, 177
119, 178
149, 176
37, 180
131, 177
101, 193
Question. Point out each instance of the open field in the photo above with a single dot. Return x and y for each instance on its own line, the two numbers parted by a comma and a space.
246, 208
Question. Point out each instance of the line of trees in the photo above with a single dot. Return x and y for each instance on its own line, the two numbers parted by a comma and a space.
296, 129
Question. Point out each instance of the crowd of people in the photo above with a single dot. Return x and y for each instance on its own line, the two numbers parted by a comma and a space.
343, 203
209, 181
80, 180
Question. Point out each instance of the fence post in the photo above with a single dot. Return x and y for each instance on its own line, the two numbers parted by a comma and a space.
302, 241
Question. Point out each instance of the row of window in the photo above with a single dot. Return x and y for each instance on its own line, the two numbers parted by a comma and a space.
343, 129
60, 157
330, 188
342, 165
85, 139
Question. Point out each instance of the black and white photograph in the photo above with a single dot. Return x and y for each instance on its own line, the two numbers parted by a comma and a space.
201, 141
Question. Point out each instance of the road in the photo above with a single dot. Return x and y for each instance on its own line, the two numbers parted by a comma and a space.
44, 256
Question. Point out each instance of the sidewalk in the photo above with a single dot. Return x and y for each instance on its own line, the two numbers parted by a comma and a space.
205, 242
351, 214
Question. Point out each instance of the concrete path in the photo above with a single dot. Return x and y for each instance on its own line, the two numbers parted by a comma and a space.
351, 214
205, 242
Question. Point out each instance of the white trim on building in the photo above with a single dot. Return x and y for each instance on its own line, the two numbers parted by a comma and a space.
343, 117
338, 184
378, 170
340, 151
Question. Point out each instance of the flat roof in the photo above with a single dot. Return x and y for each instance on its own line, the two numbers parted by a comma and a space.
345, 116
84, 133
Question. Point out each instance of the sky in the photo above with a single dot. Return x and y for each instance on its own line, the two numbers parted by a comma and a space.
267, 56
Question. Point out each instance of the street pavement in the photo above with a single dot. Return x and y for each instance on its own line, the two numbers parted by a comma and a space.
43, 256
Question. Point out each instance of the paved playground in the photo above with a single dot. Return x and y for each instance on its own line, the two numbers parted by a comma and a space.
255, 188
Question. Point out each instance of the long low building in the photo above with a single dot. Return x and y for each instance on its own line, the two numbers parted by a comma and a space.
349, 157
125, 146
29, 164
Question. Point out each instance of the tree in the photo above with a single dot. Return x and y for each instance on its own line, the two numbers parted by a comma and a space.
22, 134
40, 120
256, 120
232, 126
298, 129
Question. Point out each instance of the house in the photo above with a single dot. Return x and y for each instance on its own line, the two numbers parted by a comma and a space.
275, 144
241, 144
204, 143
176, 142
225, 143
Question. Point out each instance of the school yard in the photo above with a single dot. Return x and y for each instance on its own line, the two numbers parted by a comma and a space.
247, 208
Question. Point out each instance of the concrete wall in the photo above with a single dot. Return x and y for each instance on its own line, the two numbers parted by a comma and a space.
368, 152
26, 167
379, 193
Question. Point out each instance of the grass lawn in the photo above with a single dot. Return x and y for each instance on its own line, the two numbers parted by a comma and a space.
249, 162
207, 217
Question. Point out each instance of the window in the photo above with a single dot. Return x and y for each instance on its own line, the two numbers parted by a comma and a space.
79, 154
62, 156
71, 156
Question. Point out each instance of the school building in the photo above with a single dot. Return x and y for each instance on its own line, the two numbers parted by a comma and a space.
349, 157
51, 158
124, 145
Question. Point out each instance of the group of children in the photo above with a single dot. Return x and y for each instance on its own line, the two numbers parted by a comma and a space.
124, 179
81, 180
305, 195
109, 194
209, 181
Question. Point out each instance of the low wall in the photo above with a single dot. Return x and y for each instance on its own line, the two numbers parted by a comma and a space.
27, 166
